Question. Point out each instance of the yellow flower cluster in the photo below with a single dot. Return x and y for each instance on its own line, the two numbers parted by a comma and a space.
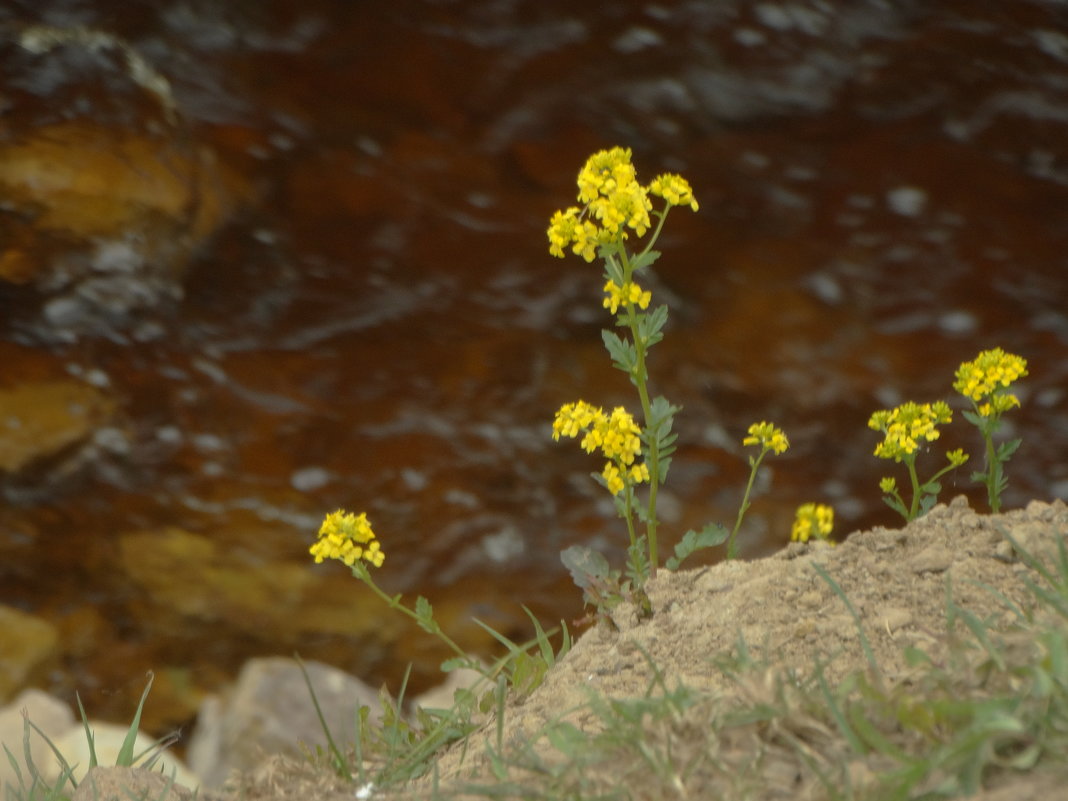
906, 425
613, 201
567, 229
347, 538
674, 189
984, 379
768, 437
812, 520
630, 292
614, 478
616, 435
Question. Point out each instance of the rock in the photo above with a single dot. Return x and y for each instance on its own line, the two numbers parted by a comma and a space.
27, 645
269, 711
934, 559
51, 716
107, 742
105, 210
40, 420
195, 576
442, 696
122, 784
55, 723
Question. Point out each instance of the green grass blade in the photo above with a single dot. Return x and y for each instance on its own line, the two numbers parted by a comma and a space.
336, 756
126, 757
89, 738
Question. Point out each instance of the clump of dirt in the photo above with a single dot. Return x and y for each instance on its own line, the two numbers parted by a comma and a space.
898, 582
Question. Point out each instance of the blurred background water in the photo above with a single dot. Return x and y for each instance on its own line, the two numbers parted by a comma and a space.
325, 283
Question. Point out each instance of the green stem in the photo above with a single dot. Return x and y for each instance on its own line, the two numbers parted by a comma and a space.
640, 377
732, 547
429, 625
628, 500
993, 477
915, 505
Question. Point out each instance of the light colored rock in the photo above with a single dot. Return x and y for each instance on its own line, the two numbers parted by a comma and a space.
269, 711
107, 209
58, 730
51, 716
442, 696
107, 742
197, 576
27, 644
123, 784
39, 420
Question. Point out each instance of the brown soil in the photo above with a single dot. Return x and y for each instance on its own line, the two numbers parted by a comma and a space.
896, 579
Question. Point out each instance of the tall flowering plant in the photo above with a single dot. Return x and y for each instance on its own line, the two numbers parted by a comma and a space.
904, 430
985, 382
614, 207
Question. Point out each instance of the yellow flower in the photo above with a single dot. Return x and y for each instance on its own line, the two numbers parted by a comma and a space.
812, 520
612, 202
957, 457
568, 229
575, 417
674, 189
768, 437
906, 425
616, 435
613, 480
347, 538
888, 485
613, 477
628, 293
990, 372
621, 438
605, 172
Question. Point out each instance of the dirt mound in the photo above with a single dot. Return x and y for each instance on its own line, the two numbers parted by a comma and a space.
790, 612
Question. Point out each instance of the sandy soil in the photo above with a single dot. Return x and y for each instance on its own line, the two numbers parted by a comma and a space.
789, 616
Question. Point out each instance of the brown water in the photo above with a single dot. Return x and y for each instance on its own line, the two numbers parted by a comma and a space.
884, 193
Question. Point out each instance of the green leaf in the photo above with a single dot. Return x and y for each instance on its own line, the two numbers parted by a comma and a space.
711, 535
455, 663
624, 356
896, 505
665, 464
927, 503
974, 418
1007, 449
584, 564
931, 488
661, 412
650, 326
613, 270
643, 260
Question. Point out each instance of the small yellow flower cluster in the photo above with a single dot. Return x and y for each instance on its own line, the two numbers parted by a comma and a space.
609, 187
812, 520
567, 229
674, 189
613, 201
347, 538
628, 293
616, 435
906, 425
768, 437
984, 380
